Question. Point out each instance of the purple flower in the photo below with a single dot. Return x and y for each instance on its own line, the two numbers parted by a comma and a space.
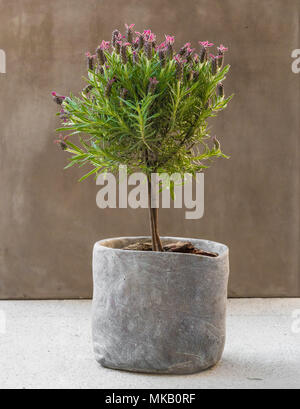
118, 46
115, 36
124, 55
206, 44
148, 49
129, 33
139, 40
170, 40
105, 45
101, 55
179, 67
162, 57
221, 51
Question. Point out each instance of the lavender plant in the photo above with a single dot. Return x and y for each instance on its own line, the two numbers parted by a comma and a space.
147, 107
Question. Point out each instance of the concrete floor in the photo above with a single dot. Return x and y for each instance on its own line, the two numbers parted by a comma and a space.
47, 344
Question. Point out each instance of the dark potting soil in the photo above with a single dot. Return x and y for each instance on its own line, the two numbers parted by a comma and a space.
174, 247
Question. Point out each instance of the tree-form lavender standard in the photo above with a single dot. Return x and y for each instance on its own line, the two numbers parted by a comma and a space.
146, 106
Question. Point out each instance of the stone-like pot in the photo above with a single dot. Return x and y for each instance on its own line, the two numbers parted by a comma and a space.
159, 312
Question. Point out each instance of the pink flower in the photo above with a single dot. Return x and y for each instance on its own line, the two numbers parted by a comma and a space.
161, 46
170, 39
214, 57
149, 36
222, 49
205, 44
129, 27
105, 45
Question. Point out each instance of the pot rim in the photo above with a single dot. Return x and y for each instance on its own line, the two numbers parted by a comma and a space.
103, 245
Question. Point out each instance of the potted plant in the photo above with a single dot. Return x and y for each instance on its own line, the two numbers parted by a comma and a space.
159, 303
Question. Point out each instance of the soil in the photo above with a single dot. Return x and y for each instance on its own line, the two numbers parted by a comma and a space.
178, 247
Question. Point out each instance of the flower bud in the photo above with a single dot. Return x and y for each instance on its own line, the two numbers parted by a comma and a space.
220, 90
61, 142
129, 33
140, 41
90, 61
109, 87
115, 36
203, 55
124, 55
118, 47
221, 53
148, 49
58, 99
100, 55
162, 57
214, 65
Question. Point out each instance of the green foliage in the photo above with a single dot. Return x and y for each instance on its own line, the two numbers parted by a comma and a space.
145, 113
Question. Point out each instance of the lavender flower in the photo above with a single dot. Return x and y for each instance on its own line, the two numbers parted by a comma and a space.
124, 55
148, 49
139, 40
214, 63
118, 47
203, 53
109, 87
169, 43
179, 67
61, 142
221, 51
152, 85
162, 57
183, 50
63, 115
115, 37
220, 90
58, 99
90, 61
100, 52
129, 33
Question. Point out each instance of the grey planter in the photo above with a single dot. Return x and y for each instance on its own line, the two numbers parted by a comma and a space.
159, 312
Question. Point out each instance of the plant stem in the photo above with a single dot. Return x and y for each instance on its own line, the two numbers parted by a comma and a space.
153, 212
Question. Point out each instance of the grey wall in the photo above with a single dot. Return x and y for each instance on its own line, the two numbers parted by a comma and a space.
49, 222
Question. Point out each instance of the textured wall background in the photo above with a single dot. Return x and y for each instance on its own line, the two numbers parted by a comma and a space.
49, 222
